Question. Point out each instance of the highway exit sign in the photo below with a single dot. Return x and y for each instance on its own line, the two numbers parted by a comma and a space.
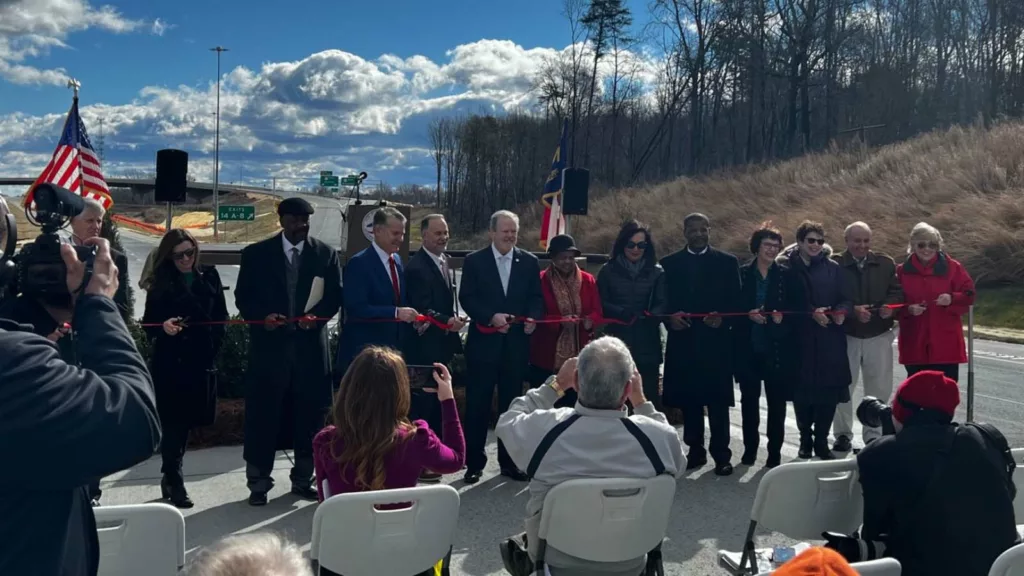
350, 180
237, 213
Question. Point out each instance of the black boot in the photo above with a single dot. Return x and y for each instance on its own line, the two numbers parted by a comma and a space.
806, 447
173, 489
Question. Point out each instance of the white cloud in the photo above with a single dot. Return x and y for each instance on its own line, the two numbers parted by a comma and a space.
332, 109
160, 27
30, 28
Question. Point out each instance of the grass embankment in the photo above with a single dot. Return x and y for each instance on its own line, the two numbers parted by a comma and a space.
967, 182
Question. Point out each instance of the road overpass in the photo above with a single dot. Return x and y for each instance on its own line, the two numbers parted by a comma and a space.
144, 185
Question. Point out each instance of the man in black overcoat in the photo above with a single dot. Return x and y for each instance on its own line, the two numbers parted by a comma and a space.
699, 354
430, 289
499, 283
288, 382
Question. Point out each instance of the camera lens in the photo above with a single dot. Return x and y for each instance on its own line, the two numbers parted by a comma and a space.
872, 412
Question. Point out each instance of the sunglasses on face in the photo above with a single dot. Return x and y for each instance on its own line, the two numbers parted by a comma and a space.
923, 245
820, 241
634, 245
184, 254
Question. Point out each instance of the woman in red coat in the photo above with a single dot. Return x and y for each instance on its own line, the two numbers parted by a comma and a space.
937, 291
568, 291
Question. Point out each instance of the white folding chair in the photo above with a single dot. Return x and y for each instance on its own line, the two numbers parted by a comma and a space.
801, 500
1018, 481
1009, 563
606, 520
140, 539
352, 537
880, 567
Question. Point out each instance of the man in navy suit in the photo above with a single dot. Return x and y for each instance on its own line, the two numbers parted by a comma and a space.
500, 283
375, 291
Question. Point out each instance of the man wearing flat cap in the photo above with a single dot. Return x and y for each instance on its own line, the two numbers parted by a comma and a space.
291, 284
937, 494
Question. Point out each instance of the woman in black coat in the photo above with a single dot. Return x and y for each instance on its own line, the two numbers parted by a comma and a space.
183, 296
763, 346
630, 284
823, 303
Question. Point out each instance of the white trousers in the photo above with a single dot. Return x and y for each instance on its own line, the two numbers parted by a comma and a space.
872, 359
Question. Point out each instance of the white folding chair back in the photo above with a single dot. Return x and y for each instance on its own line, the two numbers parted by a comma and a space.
880, 567
352, 537
803, 499
140, 539
1018, 481
607, 520
1009, 563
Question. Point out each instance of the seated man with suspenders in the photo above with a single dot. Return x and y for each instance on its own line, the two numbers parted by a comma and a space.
595, 439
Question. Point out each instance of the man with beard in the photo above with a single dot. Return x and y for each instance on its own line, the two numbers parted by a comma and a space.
699, 354
288, 388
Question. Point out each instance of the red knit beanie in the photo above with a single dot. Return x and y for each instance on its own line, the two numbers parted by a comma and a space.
927, 389
816, 561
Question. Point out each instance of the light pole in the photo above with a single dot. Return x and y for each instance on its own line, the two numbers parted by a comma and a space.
216, 151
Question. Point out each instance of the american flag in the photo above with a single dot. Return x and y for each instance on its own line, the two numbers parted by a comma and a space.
75, 165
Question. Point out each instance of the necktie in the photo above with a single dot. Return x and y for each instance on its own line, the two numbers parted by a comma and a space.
505, 271
445, 271
295, 256
394, 281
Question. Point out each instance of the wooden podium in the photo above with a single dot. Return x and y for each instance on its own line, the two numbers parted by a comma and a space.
360, 227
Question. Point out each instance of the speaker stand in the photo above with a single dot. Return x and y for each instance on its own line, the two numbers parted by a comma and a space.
170, 217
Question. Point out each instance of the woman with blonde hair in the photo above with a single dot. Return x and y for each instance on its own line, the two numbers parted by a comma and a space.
937, 292
371, 444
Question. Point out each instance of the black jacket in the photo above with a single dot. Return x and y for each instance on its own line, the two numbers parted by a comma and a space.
64, 426
482, 297
429, 292
625, 297
779, 337
957, 525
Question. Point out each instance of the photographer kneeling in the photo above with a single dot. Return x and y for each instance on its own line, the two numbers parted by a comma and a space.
63, 425
938, 496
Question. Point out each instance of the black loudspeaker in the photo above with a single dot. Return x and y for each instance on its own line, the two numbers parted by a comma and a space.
575, 190
171, 171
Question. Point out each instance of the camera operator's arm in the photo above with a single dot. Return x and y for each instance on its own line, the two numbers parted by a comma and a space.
72, 424
875, 483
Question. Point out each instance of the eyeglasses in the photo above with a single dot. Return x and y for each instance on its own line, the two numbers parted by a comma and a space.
923, 245
184, 254
770, 246
820, 241
634, 245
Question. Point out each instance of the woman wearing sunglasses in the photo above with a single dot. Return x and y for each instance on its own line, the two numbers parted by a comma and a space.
631, 284
182, 302
937, 292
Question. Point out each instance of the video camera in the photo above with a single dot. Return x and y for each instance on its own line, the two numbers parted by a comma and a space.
874, 413
40, 268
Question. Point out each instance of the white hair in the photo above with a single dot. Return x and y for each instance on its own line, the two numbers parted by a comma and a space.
858, 225
253, 554
604, 368
924, 231
503, 214
92, 206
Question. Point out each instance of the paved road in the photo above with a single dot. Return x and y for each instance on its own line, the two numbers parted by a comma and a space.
709, 512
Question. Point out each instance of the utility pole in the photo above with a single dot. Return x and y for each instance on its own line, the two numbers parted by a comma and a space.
216, 151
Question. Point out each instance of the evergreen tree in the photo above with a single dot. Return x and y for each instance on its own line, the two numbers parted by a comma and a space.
113, 235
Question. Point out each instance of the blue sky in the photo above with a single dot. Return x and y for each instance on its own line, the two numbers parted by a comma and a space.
306, 85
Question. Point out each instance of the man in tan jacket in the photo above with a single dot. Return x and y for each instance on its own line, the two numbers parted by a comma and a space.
869, 338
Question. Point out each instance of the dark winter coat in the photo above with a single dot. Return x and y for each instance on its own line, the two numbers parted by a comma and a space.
824, 368
627, 297
699, 359
779, 338
180, 363
873, 285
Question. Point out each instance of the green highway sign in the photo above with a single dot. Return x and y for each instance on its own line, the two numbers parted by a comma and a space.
329, 181
350, 180
324, 173
239, 213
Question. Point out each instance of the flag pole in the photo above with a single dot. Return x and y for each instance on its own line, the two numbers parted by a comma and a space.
75, 85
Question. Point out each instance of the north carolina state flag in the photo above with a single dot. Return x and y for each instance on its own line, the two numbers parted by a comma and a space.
553, 223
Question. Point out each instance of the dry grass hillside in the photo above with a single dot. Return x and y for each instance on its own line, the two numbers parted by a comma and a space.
969, 183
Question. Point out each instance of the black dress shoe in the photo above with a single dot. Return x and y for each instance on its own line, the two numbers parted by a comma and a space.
514, 474
806, 450
258, 499
749, 457
724, 469
773, 461
692, 463
825, 454
472, 476
843, 444
175, 492
304, 492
